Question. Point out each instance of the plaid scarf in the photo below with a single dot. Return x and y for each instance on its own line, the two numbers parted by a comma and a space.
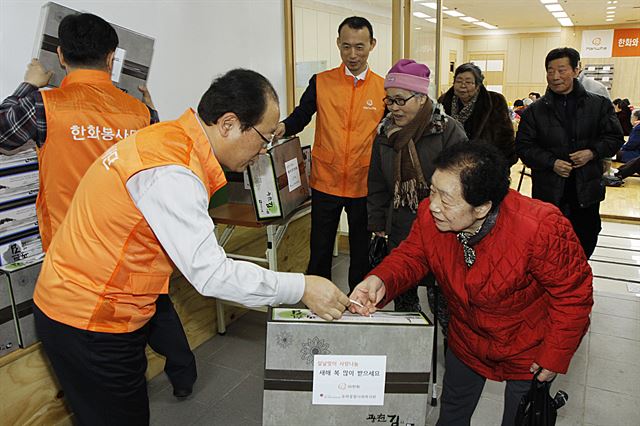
462, 115
410, 187
469, 239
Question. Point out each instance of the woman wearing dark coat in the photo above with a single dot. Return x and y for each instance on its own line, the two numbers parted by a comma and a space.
484, 114
414, 132
621, 107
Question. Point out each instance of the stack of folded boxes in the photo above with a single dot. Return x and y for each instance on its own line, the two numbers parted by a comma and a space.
20, 248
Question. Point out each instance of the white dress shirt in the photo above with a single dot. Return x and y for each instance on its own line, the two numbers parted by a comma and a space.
175, 203
360, 76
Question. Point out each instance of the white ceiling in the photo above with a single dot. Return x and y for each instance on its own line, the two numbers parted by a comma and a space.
512, 14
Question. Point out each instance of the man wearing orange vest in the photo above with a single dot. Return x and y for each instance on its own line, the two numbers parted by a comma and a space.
141, 208
72, 126
348, 103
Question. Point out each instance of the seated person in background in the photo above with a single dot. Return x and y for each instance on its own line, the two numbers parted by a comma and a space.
628, 169
518, 107
631, 149
621, 107
414, 132
516, 279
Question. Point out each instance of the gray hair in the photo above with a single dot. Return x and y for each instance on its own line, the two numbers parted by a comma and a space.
473, 69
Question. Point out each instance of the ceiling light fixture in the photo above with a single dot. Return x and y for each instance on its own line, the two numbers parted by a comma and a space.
432, 20
548, 1
421, 15
610, 7
554, 8
453, 13
560, 15
486, 25
565, 22
469, 19
609, 20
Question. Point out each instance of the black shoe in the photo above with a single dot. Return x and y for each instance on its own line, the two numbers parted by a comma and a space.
182, 393
614, 181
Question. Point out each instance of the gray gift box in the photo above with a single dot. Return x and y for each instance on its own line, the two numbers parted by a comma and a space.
275, 184
295, 336
132, 59
21, 248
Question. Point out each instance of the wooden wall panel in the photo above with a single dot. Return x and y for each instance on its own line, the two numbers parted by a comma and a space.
30, 393
512, 62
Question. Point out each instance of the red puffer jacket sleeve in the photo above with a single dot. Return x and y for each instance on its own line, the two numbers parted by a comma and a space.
558, 263
406, 265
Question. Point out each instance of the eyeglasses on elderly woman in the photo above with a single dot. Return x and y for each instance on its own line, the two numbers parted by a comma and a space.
388, 101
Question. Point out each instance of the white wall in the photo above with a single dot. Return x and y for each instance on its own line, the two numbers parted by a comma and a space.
195, 41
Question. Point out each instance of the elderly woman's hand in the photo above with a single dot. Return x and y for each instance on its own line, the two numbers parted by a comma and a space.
367, 295
545, 375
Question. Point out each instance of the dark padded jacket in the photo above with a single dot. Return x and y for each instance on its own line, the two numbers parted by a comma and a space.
542, 139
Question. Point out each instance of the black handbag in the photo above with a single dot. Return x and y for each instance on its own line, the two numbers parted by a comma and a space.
537, 407
378, 249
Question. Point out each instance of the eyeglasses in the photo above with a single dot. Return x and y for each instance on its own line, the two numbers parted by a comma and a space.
398, 101
464, 82
266, 142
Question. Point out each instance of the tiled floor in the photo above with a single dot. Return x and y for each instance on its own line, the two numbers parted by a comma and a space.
603, 382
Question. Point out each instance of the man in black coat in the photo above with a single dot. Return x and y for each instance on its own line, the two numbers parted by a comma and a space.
563, 138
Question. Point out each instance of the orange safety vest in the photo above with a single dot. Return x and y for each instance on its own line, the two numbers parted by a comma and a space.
105, 267
85, 116
346, 122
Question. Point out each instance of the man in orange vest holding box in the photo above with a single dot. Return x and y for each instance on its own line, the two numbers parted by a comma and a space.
140, 209
72, 126
348, 103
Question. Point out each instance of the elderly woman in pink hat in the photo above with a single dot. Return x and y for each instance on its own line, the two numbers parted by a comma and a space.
410, 136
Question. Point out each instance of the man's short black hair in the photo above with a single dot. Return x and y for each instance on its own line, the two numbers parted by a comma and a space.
357, 23
563, 52
242, 92
518, 102
86, 40
535, 94
483, 171
473, 69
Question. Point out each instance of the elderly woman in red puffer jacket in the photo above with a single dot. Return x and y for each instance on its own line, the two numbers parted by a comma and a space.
514, 274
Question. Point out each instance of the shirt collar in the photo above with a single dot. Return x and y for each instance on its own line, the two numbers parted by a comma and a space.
360, 76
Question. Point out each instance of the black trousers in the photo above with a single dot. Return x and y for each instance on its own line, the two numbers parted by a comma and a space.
325, 217
102, 374
586, 224
461, 392
167, 337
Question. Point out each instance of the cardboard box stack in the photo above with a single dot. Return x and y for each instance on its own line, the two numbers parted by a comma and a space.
20, 249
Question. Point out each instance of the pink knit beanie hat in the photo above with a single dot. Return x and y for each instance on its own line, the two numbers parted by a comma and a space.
410, 75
